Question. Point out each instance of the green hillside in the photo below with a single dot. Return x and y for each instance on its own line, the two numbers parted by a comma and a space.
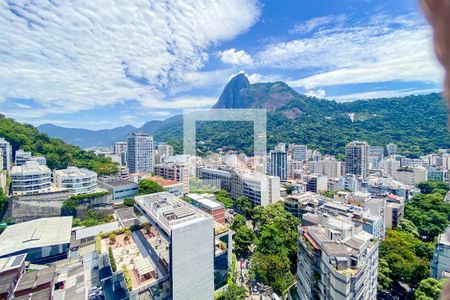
418, 124
59, 155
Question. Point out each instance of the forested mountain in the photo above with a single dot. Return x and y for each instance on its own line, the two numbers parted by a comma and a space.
58, 154
418, 124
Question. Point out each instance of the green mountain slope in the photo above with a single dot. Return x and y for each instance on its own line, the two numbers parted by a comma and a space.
418, 124
58, 154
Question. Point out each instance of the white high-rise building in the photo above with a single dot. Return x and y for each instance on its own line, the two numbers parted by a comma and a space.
336, 260
76, 180
357, 158
6, 154
186, 243
140, 153
121, 149
30, 178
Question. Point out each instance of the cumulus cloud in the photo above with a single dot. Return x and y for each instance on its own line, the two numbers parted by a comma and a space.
235, 57
383, 49
69, 56
320, 93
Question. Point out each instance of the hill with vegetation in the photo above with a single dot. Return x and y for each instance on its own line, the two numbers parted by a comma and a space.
418, 124
59, 155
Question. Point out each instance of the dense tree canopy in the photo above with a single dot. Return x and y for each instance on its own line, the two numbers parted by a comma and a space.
433, 186
429, 213
275, 260
243, 237
429, 289
149, 187
59, 155
407, 258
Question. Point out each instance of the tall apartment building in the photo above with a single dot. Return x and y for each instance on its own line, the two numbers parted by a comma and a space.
6, 154
299, 152
30, 178
391, 149
440, 266
357, 158
376, 155
174, 171
259, 189
140, 153
336, 260
187, 238
328, 166
76, 180
278, 164
121, 149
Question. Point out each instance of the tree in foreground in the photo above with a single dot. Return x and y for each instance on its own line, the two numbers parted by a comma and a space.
429, 289
243, 237
149, 187
233, 292
129, 202
272, 270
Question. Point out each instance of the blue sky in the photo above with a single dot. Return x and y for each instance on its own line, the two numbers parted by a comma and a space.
93, 64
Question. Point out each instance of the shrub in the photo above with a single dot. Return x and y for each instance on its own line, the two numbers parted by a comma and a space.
112, 238
98, 243
112, 260
127, 276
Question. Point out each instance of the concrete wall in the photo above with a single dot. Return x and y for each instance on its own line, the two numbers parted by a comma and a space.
193, 261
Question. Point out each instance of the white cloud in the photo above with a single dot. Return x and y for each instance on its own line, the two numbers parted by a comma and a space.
80, 55
257, 77
320, 93
315, 23
183, 102
383, 49
235, 57
382, 94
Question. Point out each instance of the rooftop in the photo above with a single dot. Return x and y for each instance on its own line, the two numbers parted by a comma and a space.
11, 262
161, 181
34, 234
75, 172
31, 167
36, 278
168, 210
205, 201
94, 230
117, 182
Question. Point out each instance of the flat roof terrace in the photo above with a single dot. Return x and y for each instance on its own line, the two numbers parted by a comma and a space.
168, 211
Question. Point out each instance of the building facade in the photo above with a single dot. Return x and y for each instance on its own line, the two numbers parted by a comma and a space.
357, 158
6, 152
299, 152
278, 164
76, 180
30, 178
140, 153
336, 261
